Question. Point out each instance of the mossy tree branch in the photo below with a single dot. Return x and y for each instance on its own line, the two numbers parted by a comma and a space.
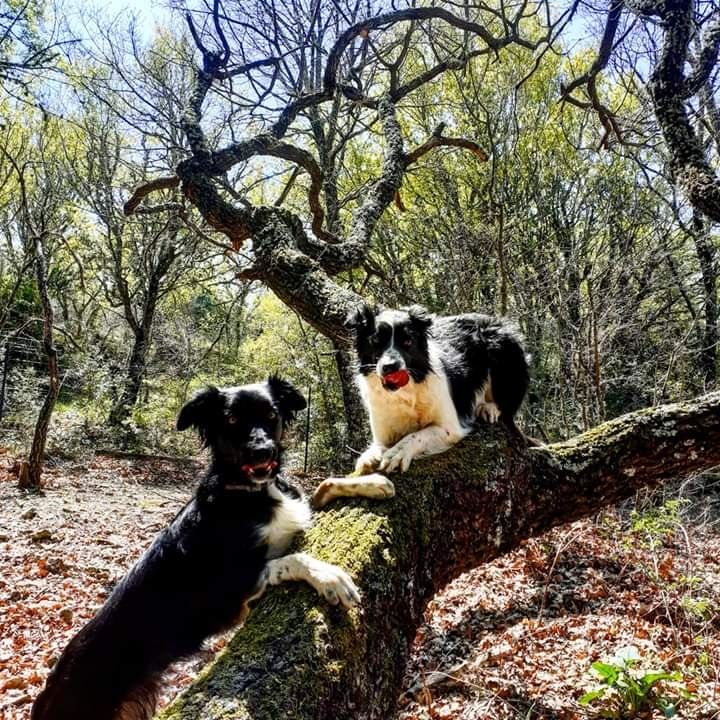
298, 658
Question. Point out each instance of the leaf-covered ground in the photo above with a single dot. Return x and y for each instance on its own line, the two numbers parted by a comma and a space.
515, 638
512, 639
62, 552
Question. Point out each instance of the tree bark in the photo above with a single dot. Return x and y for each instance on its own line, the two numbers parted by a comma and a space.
357, 431
30, 475
128, 396
670, 90
708, 269
142, 329
299, 658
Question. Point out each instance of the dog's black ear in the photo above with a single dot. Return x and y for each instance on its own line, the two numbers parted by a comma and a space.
288, 399
199, 412
419, 316
361, 318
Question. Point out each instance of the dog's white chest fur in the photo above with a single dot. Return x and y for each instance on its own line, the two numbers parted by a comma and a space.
290, 517
393, 415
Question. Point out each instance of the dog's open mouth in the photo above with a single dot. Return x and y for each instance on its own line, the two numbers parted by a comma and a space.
395, 380
259, 472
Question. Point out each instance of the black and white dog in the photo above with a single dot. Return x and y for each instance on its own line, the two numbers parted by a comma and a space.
196, 579
426, 379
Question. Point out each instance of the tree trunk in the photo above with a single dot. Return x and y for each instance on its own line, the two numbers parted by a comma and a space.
30, 475
142, 330
299, 658
708, 269
356, 428
131, 387
3, 382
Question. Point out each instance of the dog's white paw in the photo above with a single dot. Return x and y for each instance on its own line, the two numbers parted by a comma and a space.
490, 412
334, 584
324, 493
368, 462
397, 457
375, 486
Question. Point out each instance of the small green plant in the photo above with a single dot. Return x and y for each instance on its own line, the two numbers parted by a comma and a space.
626, 690
700, 608
659, 523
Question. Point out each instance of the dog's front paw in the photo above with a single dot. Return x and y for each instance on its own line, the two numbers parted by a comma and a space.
489, 412
324, 493
368, 462
334, 584
374, 486
397, 457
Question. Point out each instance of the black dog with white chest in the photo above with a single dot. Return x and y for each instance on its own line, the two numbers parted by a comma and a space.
426, 379
221, 551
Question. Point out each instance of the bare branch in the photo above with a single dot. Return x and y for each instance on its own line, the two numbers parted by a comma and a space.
306, 161
221, 35
667, 88
162, 183
604, 52
160, 208
437, 139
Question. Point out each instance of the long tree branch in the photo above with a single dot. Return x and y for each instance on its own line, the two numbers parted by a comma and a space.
707, 58
224, 159
140, 193
437, 139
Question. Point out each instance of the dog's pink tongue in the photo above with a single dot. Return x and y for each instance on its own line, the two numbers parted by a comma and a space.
261, 467
397, 379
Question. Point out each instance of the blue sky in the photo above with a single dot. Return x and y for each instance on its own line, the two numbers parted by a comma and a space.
149, 13
150, 10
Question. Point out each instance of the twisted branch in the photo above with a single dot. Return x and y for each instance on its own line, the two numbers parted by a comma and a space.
162, 183
437, 139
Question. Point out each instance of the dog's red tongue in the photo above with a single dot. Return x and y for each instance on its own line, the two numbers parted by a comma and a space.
260, 468
396, 379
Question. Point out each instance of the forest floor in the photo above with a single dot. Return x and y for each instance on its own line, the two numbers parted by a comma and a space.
514, 638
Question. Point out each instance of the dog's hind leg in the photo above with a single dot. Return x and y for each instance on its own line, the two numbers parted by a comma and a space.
374, 486
140, 703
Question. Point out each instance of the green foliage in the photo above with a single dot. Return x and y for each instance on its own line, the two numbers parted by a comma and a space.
576, 246
626, 690
19, 301
658, 524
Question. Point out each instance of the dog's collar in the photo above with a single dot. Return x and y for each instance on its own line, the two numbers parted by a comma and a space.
242, 487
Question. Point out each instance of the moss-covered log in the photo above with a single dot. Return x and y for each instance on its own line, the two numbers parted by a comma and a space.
299, 658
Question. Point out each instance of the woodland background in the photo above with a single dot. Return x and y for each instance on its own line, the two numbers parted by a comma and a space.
557, 203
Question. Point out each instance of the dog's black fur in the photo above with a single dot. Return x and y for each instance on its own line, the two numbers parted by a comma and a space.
195, 578
478, 361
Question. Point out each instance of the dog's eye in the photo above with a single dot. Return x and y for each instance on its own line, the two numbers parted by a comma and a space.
273, 415
231, 420
407, 342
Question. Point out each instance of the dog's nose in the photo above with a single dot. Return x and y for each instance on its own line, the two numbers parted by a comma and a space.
390, 367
